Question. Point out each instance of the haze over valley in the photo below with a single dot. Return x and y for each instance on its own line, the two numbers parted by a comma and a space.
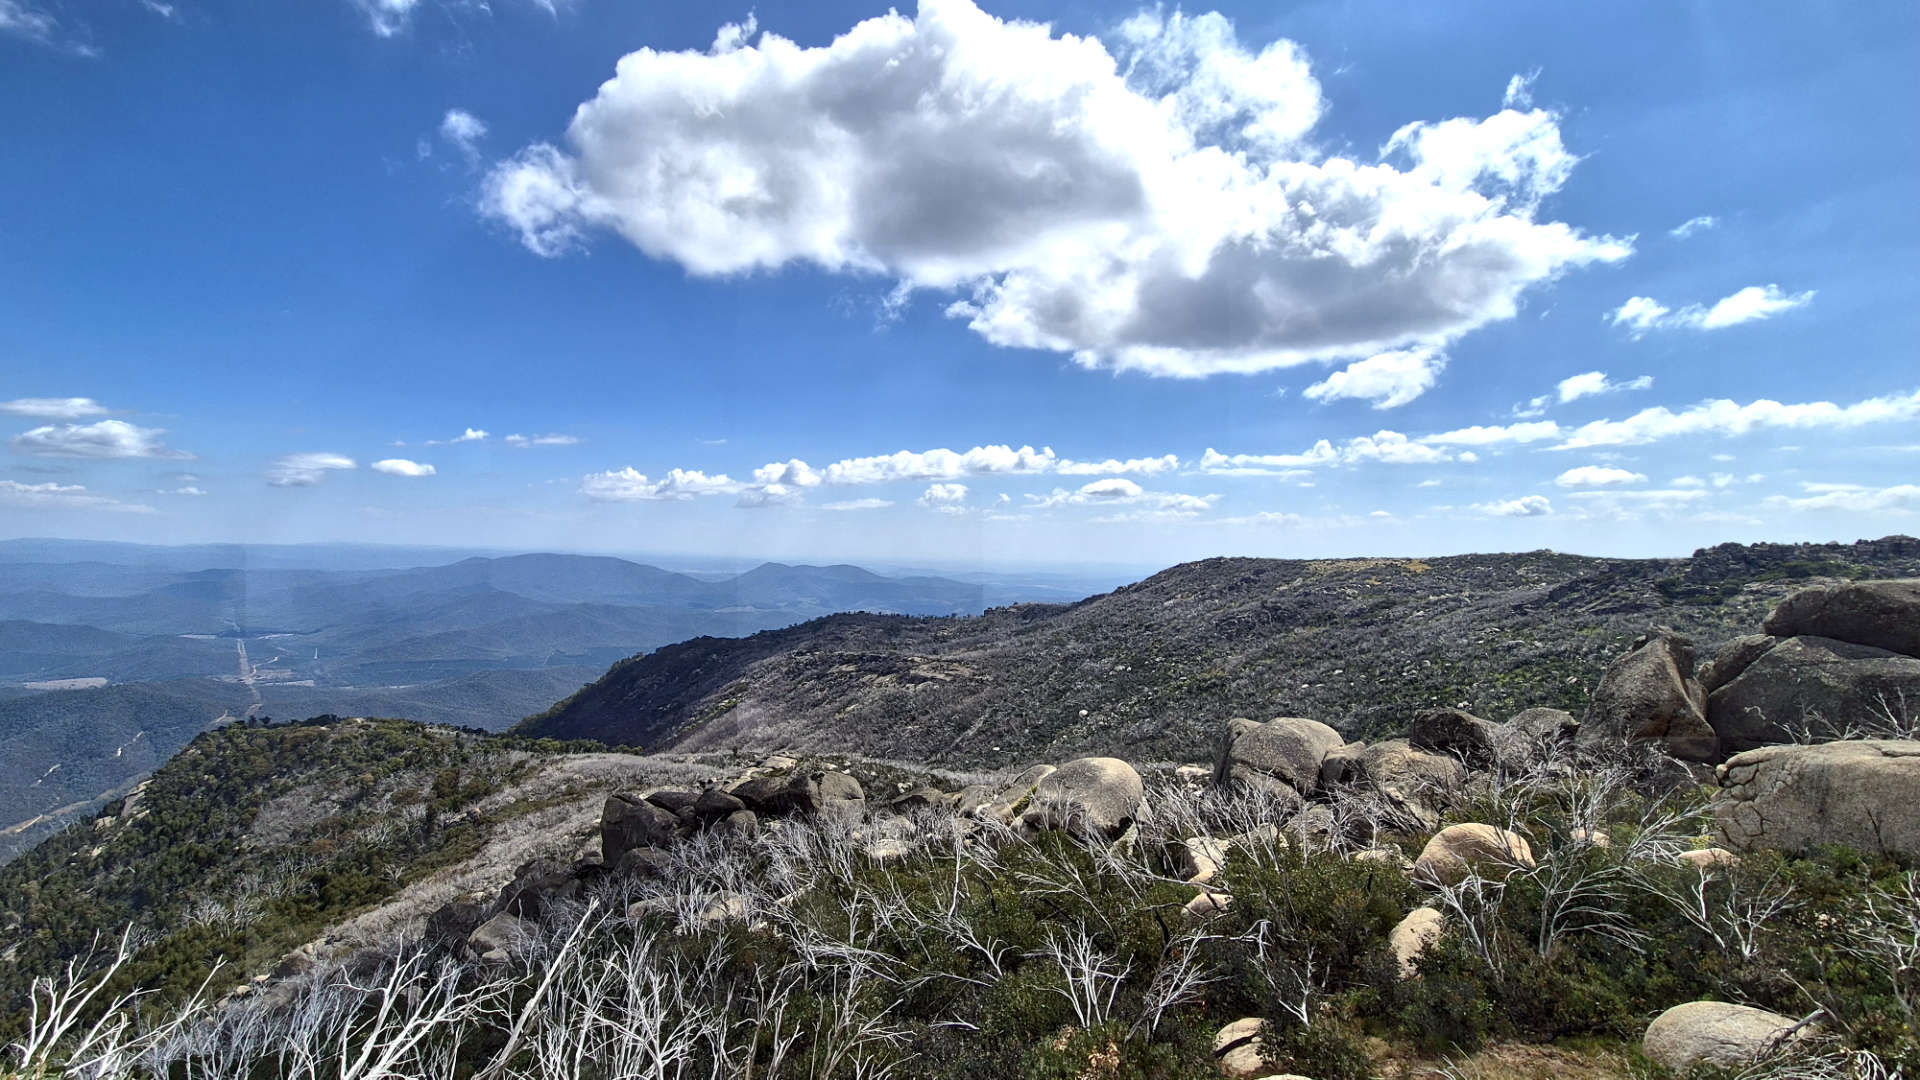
112, 656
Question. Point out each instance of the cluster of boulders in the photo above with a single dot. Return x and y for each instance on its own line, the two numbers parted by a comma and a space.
1096, 797
1832, 658
1835, 660
1295, 760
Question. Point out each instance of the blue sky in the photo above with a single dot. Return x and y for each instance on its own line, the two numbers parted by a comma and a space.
1317, 279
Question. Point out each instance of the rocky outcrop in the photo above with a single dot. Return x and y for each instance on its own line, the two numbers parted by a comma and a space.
1714, 1033
1417, 784
1883, 614
1286, 751
1651, 694
1342, 766
1819, 685
628, 822
1733, 658
1455, 732
1095, 797
1532, 736
715, 805
1865, 794
496, 940
1458, 850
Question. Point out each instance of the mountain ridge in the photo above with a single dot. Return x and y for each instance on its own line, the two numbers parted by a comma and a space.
1148, 667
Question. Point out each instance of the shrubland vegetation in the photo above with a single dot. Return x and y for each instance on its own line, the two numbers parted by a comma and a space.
987, 952
244, 846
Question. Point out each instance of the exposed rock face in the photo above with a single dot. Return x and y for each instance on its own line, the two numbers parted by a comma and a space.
921, 798
535, 885
1865, 794
1097, 796
714, 804
1454, 732
1733, 658
1415, 782
1884, 614
1651, 693
1206, 904
1713, 1033
1534, 735
453, 922
1820, 683
1707, 859
1410, 938
1198, 859
645, 862
1343, 765
497, 938
628, 822
1458, 850
1286, 750
740, 823
833, 794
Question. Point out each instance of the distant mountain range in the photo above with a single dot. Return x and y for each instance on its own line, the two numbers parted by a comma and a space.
113, 655
1150, 670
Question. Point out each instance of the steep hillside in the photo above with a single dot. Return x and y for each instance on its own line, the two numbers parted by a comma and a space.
67, 752
1148, 670
253, 839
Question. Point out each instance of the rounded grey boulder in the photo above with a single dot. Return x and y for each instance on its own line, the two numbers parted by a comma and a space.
1733, 658
1713, 1033
1883, 614
1098, 796
1416, 783
1535, 735
1287, 749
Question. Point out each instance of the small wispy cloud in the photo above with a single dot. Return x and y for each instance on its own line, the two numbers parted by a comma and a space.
469, 435
524, 442
306, 470
54, 496
463, 131
1693, 225
1524, 506
1641, 314
1857, 498
402, 467
1598, 476
946, 498
1388, 380
102, 439
46, 408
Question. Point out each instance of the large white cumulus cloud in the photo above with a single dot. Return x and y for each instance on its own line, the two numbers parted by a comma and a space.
1158, 207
